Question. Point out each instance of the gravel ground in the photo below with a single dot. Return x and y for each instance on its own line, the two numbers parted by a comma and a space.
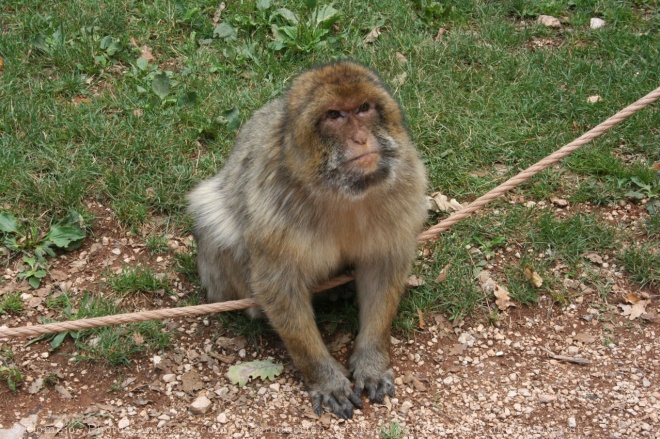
584, 370
469, 382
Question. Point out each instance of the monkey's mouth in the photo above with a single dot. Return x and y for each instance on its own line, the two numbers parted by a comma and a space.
367, 161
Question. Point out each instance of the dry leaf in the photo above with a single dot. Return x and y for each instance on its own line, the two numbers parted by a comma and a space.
501, 169
36, 386
594, 257
402, 59
444, 204
414, 281
2, 63
637, 305
138, 339
442, 276
594, 99
533, 277
64, 393
77, 100
651, 316
656, 166
340, 343
632, 297
502, 298
372, 36
634, 311
441, 34
559, 202
549, 21
422, 324
145, 52
488, 285
458, 349
418, 385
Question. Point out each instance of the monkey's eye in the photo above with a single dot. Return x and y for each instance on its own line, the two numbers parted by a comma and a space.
363, 108
333, 114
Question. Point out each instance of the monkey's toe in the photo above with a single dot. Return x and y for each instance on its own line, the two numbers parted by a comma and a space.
341, 405
375, 386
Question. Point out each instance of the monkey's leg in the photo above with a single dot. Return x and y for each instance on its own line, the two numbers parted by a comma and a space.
287, 303
379, 286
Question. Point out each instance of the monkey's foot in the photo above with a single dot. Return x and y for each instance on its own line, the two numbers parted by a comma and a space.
334, 392
377, 383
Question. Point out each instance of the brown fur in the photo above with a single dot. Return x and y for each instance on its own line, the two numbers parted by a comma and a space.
321, 178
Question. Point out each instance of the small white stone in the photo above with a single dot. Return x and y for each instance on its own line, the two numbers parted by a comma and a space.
596, 23
547, 398
123, 423
406, 406
571, 422
275, 387
169, 377
549, 21
200, 405
222, 418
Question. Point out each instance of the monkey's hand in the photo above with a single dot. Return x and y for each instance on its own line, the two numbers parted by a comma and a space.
372, 372
332, 388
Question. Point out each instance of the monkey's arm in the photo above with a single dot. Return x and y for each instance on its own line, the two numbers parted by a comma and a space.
283, 294
379, 285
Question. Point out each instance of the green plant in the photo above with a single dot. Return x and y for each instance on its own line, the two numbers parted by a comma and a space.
488, 246
11, 302
393, 430
646, 190
12, 376
66, 234
303, 35
431, 12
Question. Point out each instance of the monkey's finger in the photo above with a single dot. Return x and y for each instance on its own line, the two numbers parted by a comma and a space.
378, 389
385, 388
356, 399
340, 405
317, 403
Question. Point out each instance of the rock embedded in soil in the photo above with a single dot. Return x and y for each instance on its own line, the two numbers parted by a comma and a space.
201, 405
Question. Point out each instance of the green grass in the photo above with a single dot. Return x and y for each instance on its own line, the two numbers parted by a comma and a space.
114, 345
137, 280
85, 118
11, 303
642, 262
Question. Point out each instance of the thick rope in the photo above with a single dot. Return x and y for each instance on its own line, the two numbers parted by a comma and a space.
528, 173
431, 233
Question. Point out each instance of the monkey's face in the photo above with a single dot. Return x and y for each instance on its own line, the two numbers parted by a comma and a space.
347, 129
357, 153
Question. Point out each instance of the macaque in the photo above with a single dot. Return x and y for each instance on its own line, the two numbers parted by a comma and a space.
322, 178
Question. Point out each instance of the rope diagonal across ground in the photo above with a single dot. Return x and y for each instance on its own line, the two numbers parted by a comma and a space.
429, 234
